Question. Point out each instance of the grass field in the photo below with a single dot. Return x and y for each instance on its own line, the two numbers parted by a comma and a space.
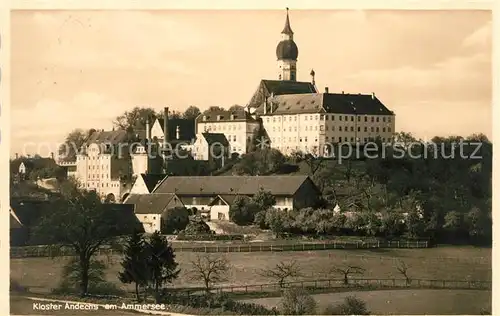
406, 302
43, 274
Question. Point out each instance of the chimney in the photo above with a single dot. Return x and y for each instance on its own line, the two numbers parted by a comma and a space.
165, 125
177, 132
265, 106
52, 155
326, 89
373, 95
313, 81
148, 131
17, 155
342, 91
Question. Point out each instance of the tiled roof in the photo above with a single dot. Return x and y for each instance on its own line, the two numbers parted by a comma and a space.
231, 185
279, 87
215, 138
360, 104
151, 180
111, 137
233, 116
150, 203
186, 128
229, 199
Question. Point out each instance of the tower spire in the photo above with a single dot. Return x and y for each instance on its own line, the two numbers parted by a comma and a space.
287, 29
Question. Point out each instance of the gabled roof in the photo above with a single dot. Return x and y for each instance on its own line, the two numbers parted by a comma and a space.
231, 185
240, 115
186, 128
14, 220
279, 87
110, 137
151, 180
337, 103
150, 203
215, 138
228, 199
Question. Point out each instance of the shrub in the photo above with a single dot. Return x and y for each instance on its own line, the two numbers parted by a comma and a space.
296, 301
243, 210
176, 220
351, 306
196, 227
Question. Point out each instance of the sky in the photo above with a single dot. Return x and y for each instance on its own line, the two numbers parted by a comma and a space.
81, 69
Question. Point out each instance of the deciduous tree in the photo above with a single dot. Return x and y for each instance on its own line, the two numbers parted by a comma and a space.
210, 269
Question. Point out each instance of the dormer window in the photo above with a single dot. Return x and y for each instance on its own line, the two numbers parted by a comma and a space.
232, 116
204, 117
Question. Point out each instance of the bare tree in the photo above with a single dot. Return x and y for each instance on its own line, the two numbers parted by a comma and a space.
210, 269
346, 271
403, 269
282, 271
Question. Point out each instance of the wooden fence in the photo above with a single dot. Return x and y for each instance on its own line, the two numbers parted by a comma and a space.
47, 251
354, 283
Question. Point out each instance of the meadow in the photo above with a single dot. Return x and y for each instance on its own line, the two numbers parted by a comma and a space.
406, 302
449, 263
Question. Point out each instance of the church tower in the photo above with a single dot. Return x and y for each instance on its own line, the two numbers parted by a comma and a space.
287, 53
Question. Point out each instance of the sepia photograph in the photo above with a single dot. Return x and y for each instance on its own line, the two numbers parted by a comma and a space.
285, 161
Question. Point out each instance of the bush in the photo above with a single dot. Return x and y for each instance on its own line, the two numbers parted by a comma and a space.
351, 306
196, 227
242, 211
296, 301
176, 220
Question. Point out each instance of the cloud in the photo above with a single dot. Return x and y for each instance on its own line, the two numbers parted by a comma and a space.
51, 120
480, 38
118, 39
467, 72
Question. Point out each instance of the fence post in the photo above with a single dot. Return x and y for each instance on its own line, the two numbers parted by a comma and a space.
303, 247
260, 248
329, 283
334, 244
444, 282
324, 245
398, 244
357, 245
246, 289
407, 244
378, 243
271, 248
239, 248
217, 249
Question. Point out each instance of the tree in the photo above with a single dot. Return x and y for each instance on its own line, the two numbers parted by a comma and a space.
296, 301
260, 162
209, 269
73, 143
346, 271
215, 109
175, 220
351, 306
403, 269
78, 221
197, 227
264, 199
134, 263
135, 119
243, 210
191, 112
282, 271
278, 221
236, 108
162, 268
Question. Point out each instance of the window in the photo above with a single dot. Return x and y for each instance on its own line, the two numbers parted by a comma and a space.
366, 119
359, 129
295, 118
371, 129
326, 117
333, 128
346, 118
388, 129
372, 119
377, 118
333, 117
290, 129
352, 118
365, 139
340, 128
305, 139
267, 119
383, 119
316, 127
352, 128
383, 129
279, 119
383, 139
234, 138
305, 118
274, 119
321, 127
366, 129
295, 128
340, 118
359, 118
389, 119
326, 127
352, 139
340, 139
377, 129
317, 117
284, 118
305, 128
311, 117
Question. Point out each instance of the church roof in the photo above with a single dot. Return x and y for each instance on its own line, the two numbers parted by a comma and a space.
279, 87
287, 29
340, 103
110, 137
287, 49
